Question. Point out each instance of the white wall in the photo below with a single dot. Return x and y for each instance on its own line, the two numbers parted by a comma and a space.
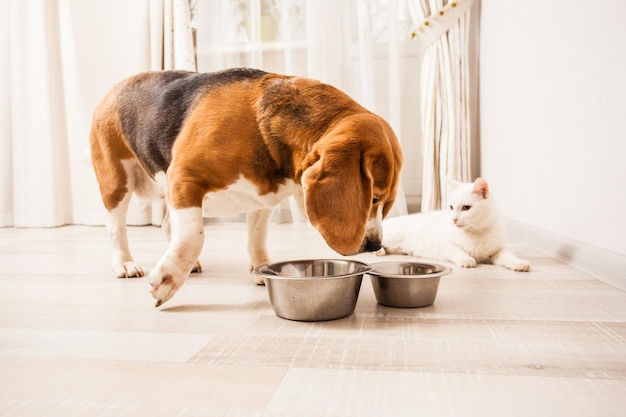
553, 122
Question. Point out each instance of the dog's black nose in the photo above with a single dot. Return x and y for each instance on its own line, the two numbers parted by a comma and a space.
372, 245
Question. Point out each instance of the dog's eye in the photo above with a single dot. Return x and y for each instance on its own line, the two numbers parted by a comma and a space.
375, 200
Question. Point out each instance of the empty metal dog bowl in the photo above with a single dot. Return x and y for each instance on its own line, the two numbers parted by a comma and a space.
406, 284
313, 290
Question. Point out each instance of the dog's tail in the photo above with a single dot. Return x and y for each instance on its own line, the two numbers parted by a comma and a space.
85, 158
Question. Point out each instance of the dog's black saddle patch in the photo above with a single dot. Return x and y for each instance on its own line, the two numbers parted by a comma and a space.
154, 106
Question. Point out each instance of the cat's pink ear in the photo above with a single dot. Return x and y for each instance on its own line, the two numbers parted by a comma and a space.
481, 188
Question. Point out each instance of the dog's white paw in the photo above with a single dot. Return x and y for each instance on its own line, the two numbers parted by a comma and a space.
129, 269
258, 280
258, 258
381, 251
164, 284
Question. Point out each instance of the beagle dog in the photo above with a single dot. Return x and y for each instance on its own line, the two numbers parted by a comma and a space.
240, 140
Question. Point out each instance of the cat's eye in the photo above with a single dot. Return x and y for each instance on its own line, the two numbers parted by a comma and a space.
465, 208
451, 207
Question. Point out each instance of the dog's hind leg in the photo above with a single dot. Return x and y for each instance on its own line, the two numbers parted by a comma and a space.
116, 169
117, 182
258, 221
123, 263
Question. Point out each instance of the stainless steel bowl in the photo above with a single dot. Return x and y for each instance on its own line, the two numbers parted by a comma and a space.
406, 284
313, 290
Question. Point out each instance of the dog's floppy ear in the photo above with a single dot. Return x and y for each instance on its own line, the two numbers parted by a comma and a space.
338, 194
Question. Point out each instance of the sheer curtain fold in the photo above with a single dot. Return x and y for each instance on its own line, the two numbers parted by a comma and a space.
6, 126
59, 59
35, 184
442, 27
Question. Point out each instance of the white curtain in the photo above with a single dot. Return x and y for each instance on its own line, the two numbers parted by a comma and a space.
58, 59
35, 182
442, 28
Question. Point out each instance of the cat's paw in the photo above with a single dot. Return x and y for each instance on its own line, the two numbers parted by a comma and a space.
381, 251
468, 262
519, 265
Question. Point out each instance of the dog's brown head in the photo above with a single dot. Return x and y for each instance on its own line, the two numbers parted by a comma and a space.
350, 182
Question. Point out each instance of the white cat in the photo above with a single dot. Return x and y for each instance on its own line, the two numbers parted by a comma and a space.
470, 231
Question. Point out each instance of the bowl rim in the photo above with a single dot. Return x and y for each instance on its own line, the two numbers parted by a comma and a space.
366, 269
444, 270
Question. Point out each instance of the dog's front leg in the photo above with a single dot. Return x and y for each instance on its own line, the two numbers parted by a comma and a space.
181, 256
258, 222
167, 227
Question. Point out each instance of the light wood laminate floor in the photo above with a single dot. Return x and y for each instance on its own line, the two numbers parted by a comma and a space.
75, 341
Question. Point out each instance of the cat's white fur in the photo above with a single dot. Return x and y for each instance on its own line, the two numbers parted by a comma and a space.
470, 231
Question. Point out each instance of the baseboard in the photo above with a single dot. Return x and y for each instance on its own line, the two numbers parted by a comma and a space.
602, 264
